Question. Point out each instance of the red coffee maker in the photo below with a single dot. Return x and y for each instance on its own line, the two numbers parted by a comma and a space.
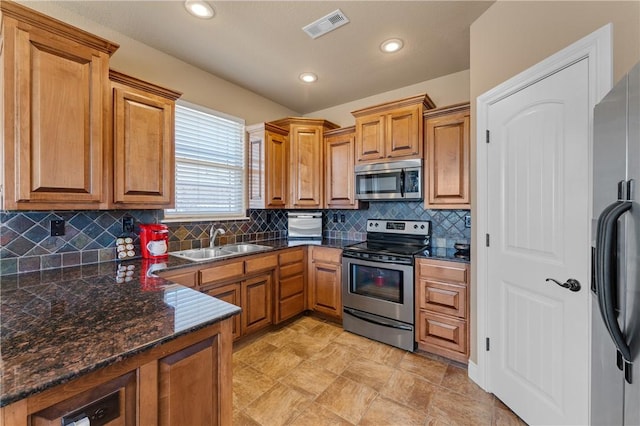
154, 240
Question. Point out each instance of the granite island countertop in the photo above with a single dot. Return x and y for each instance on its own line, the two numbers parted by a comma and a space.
56, 325
59, 324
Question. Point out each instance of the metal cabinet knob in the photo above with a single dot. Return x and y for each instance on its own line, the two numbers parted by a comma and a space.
571, 284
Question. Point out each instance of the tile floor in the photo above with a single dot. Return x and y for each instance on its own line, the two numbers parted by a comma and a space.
311, 372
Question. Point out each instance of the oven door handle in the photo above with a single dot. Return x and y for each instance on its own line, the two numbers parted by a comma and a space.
376, 320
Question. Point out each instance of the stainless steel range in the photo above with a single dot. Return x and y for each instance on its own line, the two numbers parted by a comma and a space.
378, 281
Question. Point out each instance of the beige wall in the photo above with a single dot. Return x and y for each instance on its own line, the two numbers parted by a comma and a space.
447, 90
197, 86
511, 36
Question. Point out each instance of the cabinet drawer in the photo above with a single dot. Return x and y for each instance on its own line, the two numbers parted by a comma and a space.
443, 270
291, 286
326, 254
450, 299
291, 256
187, 278
290, 270
441, 331
261, 263
222, 272
291, 306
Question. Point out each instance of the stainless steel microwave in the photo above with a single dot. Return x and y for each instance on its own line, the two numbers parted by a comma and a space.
398, 180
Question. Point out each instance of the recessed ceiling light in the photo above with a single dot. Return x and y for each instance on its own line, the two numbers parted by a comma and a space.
391, 45
199, 9
308, 77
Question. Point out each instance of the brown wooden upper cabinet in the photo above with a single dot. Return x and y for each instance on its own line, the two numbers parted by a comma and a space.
268, 166
447, 140
305, 160
143, 143
339, 182
392, 130
56, 91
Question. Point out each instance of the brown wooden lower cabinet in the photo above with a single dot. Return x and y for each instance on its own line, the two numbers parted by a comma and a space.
291, 287
229, 293
442, 308
325, 281
186, 381
256, 303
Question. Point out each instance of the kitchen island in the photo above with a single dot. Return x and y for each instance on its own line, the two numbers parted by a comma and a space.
71, 336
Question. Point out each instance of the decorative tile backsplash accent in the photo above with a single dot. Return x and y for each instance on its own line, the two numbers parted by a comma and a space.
26, 244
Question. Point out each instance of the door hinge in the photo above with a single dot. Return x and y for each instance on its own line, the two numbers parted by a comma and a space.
487, 344
488, 137
487, 240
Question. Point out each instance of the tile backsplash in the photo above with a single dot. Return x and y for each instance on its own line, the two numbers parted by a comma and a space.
26, 244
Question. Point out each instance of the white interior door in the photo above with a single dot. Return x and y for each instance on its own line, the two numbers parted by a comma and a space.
538, 225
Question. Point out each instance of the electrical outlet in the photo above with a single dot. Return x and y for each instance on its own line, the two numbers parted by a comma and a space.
335, 218
342, 218
127, 224
57, 228
467, 221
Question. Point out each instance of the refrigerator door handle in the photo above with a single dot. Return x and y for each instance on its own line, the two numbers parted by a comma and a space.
604, 264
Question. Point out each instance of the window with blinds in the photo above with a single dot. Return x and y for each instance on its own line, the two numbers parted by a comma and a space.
210, 165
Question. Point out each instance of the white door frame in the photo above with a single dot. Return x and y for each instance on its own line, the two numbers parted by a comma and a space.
597, 47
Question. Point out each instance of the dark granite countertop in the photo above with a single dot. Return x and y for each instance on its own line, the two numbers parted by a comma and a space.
59, 324
443, 253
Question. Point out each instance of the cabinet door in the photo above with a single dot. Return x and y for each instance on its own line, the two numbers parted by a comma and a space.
143, 144
54, 140
188, 386
256, 303
229, 293
339, 179
326, 292
404, 133
447, 176
306, 166
370, 138
277, 170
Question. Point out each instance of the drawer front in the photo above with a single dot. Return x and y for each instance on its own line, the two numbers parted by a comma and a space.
291, 256
290, 270
291, 286
444, 298
291, 307
324, 254
442, 331
222, 272
188, 278
443, 270
261, 263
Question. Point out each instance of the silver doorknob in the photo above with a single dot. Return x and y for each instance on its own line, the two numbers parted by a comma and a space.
571, 284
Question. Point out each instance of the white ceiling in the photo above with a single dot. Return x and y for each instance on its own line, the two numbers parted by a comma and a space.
260, 45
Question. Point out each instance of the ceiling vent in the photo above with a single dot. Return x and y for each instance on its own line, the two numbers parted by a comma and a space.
326, 24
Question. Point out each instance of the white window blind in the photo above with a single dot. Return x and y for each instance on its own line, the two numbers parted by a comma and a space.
210, 165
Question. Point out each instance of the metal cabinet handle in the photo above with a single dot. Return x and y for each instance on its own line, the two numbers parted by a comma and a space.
571, 284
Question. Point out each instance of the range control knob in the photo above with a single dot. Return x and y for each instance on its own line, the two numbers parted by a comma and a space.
415, 226
421, 226
377, 224
370, 224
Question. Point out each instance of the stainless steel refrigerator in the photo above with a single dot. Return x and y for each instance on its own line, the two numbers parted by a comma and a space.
615, 368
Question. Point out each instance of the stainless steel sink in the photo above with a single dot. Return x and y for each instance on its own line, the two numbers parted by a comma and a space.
201, 254
210, 253
245, 248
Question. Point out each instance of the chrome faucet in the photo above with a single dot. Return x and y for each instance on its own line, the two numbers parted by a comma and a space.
213, 233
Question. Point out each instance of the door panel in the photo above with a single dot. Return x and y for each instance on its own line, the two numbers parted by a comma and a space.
538, 222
